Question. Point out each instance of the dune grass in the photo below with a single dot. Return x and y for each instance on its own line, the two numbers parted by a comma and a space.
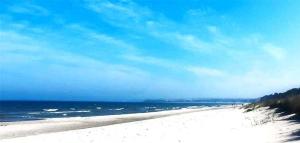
288, 101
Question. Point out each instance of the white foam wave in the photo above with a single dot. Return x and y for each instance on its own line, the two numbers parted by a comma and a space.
118, 109
192, 107
150, 107
50, 110
34, 113
65, 112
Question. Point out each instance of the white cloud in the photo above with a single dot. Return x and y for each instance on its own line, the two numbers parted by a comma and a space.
142, 20
97, 37
188, 42
29, 9
204, 71
191, 42
199, 13
258, 82
213, 29
21, 51
152, 61
274, 51
123, 14
233, 53
48, 69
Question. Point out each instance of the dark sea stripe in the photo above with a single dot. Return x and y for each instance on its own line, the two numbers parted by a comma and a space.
11, 111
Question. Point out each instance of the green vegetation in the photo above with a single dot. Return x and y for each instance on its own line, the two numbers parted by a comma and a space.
288, 101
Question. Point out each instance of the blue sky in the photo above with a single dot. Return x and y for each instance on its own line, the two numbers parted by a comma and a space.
148, 49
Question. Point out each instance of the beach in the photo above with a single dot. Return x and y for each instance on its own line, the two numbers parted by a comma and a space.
209, 125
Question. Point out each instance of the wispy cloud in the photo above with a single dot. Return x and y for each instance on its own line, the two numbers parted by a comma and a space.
76, 73
123, 46
203, 72
27, 8
259, 81
122, 13
143, 20
101, 37
192, 43
274, 51
152, 61
59, 65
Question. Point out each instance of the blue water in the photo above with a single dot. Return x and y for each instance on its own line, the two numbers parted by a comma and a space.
11, 111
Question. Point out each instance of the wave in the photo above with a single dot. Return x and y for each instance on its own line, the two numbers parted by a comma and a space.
34, 113
65, 112
50, 110
175, 108
98, 108
118, 109
150, 107
83, 111
192, 107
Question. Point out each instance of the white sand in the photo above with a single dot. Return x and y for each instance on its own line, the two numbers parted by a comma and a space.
226, 125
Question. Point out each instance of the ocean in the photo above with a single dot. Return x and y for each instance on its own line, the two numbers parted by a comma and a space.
11, 111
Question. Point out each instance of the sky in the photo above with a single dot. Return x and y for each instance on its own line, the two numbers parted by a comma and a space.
129, 50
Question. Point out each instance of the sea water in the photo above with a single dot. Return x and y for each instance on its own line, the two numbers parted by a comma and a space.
11, 111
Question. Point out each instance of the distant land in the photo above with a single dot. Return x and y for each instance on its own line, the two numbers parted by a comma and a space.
210, 100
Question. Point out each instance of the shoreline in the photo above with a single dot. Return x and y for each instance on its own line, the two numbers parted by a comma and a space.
17, 129
209, 125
